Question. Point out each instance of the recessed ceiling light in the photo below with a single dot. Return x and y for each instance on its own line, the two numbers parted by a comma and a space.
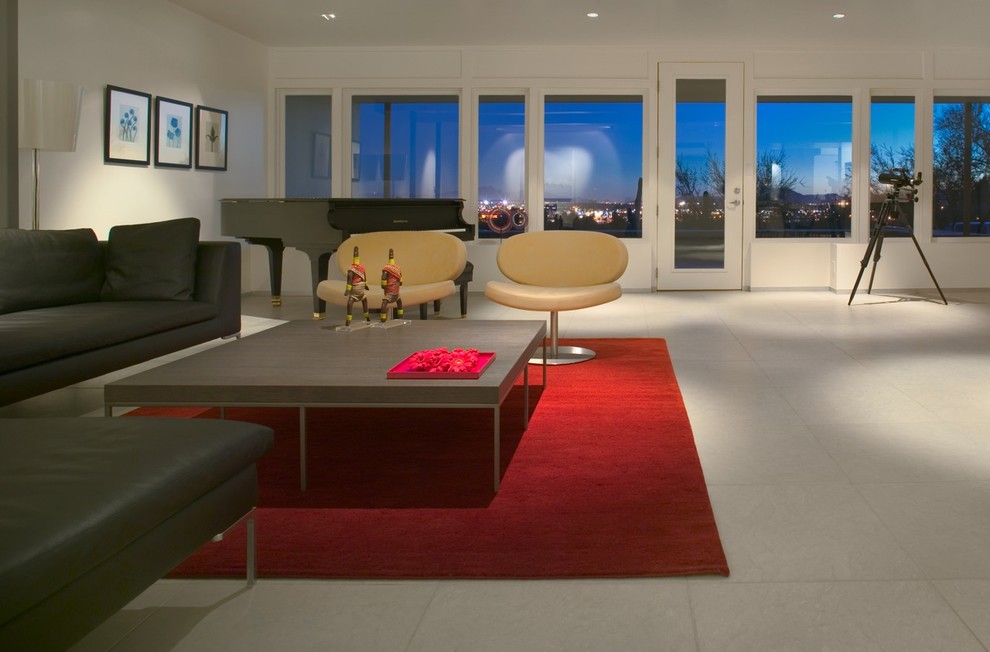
838, 16
329, 16
592, 14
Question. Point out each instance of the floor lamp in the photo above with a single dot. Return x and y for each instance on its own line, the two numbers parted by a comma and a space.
48, 118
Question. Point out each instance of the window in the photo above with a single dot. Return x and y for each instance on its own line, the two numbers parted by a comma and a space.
961, 162
405, 146
307, 145
593, 164
501, 166
891, 153
699, 202
803, 166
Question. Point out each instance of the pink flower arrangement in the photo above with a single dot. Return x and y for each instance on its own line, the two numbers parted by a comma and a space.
442, 360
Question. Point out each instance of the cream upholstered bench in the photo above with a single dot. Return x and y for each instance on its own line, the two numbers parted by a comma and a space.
559, 270
429, 260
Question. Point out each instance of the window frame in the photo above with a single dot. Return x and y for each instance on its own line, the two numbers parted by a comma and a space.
647, 161
858, 210
346, 125
279, 159
927, 197
922, 213
474, 194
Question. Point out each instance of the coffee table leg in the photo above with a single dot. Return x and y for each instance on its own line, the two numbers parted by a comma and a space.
544, 367
252, 566
525, 397
498, 457
302, 448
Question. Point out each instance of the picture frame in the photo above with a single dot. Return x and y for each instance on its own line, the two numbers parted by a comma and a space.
211, 138
126, 126
173, 133
321, 155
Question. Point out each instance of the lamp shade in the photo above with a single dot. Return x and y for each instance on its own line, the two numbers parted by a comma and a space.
48, 115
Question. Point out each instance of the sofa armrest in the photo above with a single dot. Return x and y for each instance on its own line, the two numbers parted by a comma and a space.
218, 281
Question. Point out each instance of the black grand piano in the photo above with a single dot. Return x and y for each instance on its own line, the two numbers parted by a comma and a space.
317, 226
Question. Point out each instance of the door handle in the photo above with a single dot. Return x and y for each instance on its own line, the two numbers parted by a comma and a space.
735, 202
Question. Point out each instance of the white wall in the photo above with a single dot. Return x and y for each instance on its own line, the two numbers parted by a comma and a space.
157, 48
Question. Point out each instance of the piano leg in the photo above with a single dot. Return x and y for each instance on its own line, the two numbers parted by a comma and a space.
275, 249
462, 284
318, 267
464, 297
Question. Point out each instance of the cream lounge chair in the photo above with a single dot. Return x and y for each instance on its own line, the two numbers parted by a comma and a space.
559, 270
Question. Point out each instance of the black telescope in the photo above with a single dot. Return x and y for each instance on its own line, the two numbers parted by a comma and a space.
902, 192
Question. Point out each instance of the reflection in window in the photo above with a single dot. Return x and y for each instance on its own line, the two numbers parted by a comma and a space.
307, 145
891, 152
501, 166
405, 146
699, 208
803, 166
593, 164
961, 162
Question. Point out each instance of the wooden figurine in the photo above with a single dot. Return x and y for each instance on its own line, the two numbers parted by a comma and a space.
357, 288
391, 281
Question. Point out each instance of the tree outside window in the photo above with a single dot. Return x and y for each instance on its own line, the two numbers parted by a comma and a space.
961, 166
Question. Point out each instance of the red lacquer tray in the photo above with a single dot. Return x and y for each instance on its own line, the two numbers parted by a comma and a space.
401, 370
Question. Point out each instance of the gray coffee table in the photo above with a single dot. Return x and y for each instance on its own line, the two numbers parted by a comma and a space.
306, 364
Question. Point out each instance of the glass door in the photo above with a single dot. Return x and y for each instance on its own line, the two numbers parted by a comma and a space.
700, 177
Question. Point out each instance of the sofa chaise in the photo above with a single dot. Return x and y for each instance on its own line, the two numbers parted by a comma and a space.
93, 510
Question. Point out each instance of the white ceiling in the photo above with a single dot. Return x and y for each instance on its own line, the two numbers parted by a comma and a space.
757, 24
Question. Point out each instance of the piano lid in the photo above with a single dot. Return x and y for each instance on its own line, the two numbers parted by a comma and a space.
315, 217
362, 215
273, 200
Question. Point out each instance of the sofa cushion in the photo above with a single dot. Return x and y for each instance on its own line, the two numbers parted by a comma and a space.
49, 268
33, 337
155, 261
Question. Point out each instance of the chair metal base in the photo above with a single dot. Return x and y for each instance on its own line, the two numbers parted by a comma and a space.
557, 355
563, 355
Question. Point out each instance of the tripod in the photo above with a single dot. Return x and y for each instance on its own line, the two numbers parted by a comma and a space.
888, 211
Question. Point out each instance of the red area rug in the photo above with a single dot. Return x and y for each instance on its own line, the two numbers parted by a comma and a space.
605, 482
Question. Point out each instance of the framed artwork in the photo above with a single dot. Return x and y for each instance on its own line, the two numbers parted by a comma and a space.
173, 133
211, 138
127, 127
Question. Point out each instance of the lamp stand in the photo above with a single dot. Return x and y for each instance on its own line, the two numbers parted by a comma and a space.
36, 221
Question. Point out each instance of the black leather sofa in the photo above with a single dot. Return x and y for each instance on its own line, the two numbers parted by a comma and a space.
72, 307
93, 510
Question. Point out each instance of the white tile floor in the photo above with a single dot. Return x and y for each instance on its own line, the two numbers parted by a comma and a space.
847, 453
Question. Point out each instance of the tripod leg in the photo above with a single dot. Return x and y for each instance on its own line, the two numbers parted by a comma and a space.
876, 259
927, 266
863, 263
